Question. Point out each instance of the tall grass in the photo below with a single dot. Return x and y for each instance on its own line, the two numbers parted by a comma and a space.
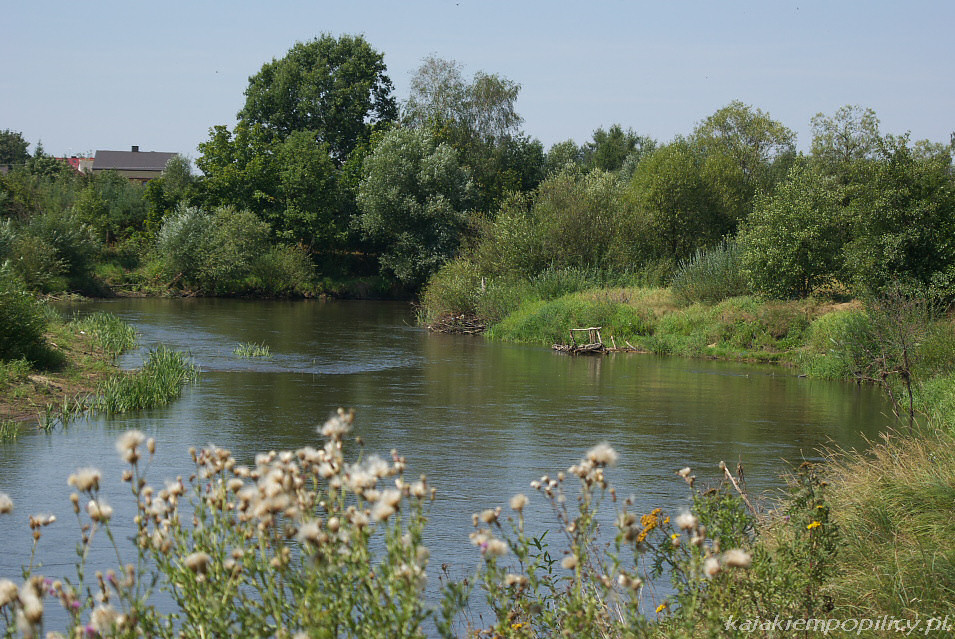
894, 506
711, 275
110, 333
160, 380
251, 349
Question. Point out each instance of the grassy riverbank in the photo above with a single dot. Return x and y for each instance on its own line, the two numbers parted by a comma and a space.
71, 370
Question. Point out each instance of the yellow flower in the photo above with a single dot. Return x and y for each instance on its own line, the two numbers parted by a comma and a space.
814, 524
661, 607
516, 626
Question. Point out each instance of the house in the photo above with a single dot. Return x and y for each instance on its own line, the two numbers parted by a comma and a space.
80, 165
135, 165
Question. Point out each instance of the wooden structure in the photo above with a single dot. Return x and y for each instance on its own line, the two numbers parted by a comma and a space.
594, 344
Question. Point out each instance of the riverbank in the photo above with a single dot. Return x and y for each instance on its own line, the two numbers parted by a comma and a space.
77, 374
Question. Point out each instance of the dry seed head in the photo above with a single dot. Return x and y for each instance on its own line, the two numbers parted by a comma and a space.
99, 510
518, 502
496, 548
686, 521
127, 445
198, 562
569, 562
489, 516
85, 479
737, 558
8, 592
602, 455
515, 580
382, 511
6, 504
711, 567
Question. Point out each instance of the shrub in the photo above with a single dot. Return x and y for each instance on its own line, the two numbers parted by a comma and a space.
283, 270
73, 243
711, 275
22, 321
454, 289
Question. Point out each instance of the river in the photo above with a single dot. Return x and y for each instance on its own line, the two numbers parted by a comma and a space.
480, 418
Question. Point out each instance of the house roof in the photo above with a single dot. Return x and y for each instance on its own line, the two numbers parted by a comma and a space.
131, 160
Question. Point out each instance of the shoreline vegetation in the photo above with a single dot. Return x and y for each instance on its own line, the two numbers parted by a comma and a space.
724, 242
66, 369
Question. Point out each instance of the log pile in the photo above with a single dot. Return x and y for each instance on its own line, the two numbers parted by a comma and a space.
458, 325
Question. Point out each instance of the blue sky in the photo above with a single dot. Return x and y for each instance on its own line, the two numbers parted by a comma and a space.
108, 75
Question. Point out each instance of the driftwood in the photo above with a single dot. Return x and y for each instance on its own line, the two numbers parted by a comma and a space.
595, 345
458, 324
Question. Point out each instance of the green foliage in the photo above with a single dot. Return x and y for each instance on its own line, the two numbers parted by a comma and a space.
792, 240
413, 198
111, 334
843, 139
835, 343
479, 121
251, 349
613, 150
283, 270
711, 275
677, 210
13, 148
336, 88
22, 321
160, 380
112, 205
902, 217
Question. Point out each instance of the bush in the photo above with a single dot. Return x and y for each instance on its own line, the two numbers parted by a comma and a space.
73, 243
22, 321
454, 289
711, 275
283, 270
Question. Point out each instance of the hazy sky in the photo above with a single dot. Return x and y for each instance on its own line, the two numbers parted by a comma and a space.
108, 75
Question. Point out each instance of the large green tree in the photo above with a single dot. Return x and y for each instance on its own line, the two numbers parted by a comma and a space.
413, 199
478, 118
335, 87
13, 147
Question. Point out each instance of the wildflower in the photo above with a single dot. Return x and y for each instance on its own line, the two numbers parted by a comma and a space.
6, 504
686, 521
684, 472
310, 531
569, 562
104, 618
418, 489
511, 580
99, 510
661, 607
85, 479
8, 592
737, 558
382, 511
128, 445
489, 516
391, 497
496, 548
30, 602
338, 425
814, 524
711, 567
675, 540
602, 455
377, 466
518, 502
198, 562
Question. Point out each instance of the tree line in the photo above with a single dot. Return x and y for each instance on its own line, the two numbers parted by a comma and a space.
327, 174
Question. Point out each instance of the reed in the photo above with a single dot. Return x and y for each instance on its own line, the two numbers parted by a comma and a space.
110, 333
252, 349
160, 380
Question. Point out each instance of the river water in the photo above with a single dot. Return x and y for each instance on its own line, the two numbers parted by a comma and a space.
480, 418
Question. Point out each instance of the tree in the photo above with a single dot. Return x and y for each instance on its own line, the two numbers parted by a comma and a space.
335, 87
678, 208
562, 154
479, 120
610, 149
792, 241
412, 199
850, 135
901, 211
176, 185
749, 136
13, 147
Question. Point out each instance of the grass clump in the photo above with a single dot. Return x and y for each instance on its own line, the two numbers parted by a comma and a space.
711, 275
159, 381
894, 507
252, 349
110, 333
